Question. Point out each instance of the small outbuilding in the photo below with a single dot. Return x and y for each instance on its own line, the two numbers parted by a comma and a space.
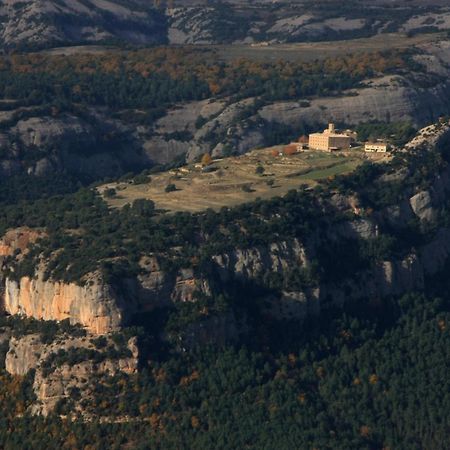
376, 147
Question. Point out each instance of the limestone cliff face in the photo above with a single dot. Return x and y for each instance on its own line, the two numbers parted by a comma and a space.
23, 354
255, 262
70, 143
51, 388
15, 244
55, 381
388, 97
95, 304
386, 278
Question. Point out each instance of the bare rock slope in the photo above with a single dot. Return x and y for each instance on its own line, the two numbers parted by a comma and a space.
47, 23
43, 23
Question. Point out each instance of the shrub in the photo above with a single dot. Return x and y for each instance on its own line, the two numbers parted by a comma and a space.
170, 188
206, 159
142, 178
110, 193
200, 122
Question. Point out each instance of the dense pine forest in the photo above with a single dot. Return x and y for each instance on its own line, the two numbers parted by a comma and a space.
373, 376
157, 78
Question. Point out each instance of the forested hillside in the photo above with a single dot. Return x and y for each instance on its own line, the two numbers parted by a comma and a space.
371, 377
367, 374
313, 316
81, 114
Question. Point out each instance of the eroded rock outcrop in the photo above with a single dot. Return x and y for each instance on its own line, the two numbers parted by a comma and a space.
422, 205
387, 278
23, 354
252, 263
38, 143
69, 364
94, 303
42, 23
392, 97
18, 241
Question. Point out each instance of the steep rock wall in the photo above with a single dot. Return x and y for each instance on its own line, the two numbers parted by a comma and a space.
94, 305
385, 99
386, 278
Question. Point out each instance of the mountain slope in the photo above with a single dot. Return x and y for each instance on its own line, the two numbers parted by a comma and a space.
47, 23
42, 23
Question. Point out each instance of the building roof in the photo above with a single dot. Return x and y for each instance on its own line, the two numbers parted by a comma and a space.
303, 139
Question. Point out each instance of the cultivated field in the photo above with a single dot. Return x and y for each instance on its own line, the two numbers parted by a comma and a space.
236, 180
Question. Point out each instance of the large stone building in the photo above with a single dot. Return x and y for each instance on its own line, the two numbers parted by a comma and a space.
331, 140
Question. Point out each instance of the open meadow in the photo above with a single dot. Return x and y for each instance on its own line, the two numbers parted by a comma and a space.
311, 51
294, 52
231, 181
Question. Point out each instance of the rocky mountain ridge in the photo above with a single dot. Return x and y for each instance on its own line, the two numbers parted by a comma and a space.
49, 23
266, 24
44, 23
